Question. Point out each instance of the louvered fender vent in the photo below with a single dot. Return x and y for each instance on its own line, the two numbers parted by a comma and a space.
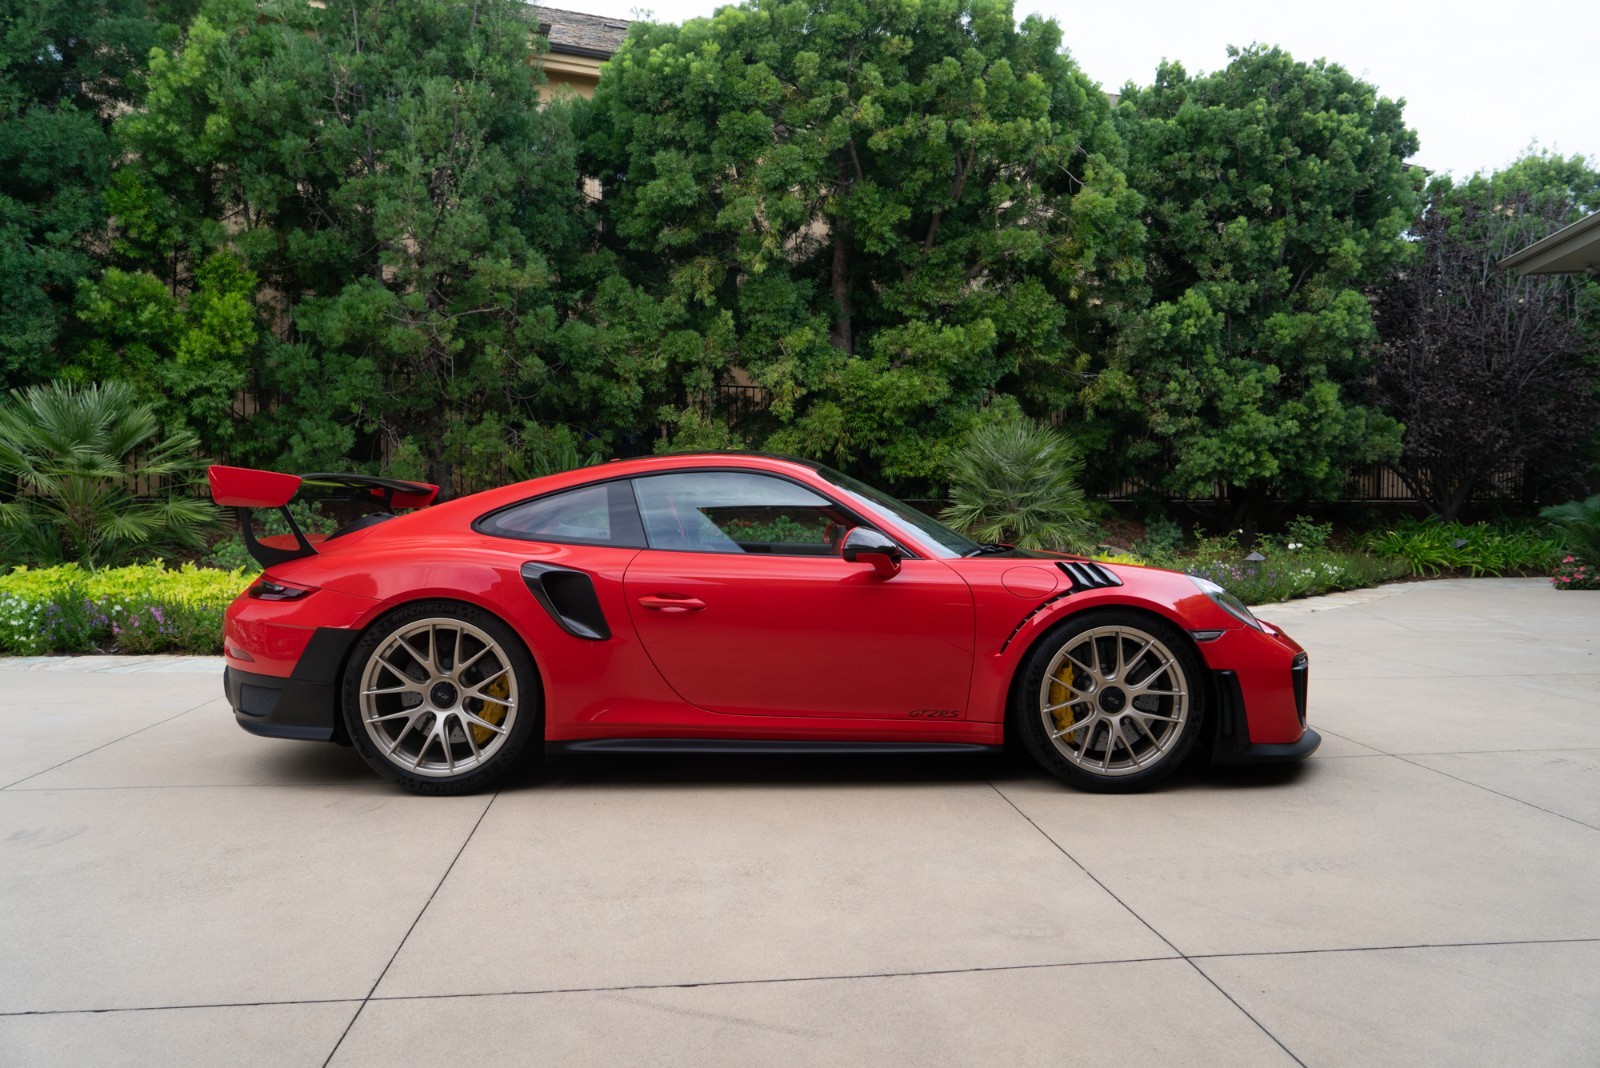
1087, 576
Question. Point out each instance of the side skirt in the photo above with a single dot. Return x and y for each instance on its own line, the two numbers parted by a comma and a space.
748, 745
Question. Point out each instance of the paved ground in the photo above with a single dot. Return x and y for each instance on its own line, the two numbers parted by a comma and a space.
1425, 891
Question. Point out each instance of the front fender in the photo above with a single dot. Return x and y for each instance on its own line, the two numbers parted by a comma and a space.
1013, 628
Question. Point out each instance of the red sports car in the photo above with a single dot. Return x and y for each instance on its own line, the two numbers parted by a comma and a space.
729, 601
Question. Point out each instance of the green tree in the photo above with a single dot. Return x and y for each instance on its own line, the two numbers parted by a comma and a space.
1276, 189
390, 194
94, 480
189, 358
66, 66
885, 213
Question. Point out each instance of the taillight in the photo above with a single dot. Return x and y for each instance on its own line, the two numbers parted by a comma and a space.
265, 589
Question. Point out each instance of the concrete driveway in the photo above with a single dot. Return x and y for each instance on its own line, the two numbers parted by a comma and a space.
1426, 890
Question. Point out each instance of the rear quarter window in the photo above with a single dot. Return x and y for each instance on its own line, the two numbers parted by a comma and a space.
588, 515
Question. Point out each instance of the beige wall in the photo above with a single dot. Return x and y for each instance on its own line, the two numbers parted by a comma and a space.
576, 74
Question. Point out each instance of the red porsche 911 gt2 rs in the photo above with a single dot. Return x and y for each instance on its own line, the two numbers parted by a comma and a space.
725, 602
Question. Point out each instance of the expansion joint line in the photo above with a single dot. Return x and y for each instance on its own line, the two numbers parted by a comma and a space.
1148, 925
407, 937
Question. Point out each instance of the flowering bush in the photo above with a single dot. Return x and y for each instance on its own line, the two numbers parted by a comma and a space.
144, 608
1300, 572
1574, 574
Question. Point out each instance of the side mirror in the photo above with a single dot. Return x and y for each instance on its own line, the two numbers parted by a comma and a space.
867, 546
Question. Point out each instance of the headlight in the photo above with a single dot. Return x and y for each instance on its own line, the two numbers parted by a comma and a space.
1227, 602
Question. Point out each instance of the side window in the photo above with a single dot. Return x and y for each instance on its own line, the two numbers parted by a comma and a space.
738, 512
591, 515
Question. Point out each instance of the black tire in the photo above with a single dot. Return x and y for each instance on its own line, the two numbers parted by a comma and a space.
441, 698
1124, 723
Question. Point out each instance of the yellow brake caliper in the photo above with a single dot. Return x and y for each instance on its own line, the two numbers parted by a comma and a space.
1060, 695
493, 712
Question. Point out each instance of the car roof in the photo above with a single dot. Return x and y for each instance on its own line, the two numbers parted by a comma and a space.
640, 465
643, 465
692, 459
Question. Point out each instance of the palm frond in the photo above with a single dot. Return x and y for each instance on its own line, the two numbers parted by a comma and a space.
1016, 481
74, 454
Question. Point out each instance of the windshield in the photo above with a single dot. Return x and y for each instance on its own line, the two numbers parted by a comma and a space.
940, 538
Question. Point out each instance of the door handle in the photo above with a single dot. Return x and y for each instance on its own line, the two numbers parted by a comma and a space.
672, 603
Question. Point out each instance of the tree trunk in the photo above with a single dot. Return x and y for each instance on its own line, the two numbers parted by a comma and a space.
1246, 504
841, 289
442, 474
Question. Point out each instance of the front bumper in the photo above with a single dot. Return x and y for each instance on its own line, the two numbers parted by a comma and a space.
1231, 742
304, 705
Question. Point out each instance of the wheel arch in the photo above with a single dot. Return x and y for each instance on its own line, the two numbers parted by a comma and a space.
388, 608
1054, 621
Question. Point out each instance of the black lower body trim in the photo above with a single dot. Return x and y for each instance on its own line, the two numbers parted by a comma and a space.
759, 745
306, 704
1231, 743
1288, 752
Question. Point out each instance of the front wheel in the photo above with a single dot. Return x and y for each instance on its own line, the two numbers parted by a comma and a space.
440, 697
1110, 700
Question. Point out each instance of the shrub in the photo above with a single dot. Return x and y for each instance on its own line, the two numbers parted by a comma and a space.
1288, 575
75, 456
1016, 481
1574, 574
1162, 542
230, 553
1304, 534
1430, 547
144, 608
1579, 524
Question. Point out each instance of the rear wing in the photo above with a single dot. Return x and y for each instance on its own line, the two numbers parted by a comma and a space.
243, 488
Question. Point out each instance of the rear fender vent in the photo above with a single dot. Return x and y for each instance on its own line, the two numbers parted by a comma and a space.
1086, 575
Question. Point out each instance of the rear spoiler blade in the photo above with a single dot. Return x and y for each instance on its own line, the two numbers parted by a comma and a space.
244, 488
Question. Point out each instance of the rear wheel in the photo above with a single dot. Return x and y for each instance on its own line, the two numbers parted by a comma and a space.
1110, 700
440, 697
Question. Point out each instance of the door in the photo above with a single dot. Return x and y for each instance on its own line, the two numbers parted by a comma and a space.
745, 606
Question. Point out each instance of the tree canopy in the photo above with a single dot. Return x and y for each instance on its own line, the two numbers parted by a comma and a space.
886, 214
1493, 374
381, 182
357, 235
1275, 190
66, 66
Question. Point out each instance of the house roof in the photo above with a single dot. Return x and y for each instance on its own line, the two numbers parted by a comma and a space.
575, 33
1572, 250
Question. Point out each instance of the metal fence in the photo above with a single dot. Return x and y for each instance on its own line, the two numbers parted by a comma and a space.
1380, 484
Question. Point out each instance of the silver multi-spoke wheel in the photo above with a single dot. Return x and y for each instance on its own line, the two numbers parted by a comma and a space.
1110, 700
438, 697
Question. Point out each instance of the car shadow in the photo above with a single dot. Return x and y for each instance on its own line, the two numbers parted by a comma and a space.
312, 764
337, 765
697, 770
